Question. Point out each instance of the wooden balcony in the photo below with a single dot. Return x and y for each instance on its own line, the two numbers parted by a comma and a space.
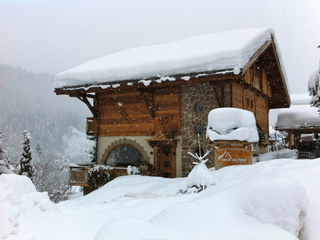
78, 175
91, 126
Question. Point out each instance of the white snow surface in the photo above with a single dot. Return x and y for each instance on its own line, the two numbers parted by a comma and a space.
214, 52
298, 116
277, 199
232, 124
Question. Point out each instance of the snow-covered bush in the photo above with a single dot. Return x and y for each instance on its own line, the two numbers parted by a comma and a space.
51, 175
99, 176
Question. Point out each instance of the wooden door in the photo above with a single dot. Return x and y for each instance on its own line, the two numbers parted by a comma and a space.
164, 156
165, 164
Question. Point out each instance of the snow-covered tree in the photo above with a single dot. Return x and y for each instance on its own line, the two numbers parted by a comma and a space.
314, 88
4, 159
25, 160
51, 174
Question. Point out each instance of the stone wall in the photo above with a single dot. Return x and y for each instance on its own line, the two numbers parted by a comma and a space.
210, 94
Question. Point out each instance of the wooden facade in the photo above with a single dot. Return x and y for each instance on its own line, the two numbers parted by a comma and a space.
137, 112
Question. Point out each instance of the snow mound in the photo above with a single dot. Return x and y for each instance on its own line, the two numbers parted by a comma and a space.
232, 124
18, 197
200, 176
220, 51
277, 200
135, 229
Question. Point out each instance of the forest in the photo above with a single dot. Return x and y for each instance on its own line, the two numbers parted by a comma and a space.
56, 125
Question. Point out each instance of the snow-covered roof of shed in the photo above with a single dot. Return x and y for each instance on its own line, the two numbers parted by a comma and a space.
214, 52
298, 117
232, 124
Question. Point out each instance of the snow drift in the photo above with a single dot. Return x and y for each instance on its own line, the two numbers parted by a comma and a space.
276, 199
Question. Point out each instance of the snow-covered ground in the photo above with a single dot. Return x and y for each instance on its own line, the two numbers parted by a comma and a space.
267, 200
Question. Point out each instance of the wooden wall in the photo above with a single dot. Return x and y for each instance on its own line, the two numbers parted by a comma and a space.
252, 94
134, 113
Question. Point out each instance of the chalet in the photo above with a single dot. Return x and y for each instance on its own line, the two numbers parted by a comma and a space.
150, 104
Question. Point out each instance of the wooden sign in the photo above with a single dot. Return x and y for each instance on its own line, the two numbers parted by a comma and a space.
232, 155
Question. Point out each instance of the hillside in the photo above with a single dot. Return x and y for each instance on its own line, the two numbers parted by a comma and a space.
28, 102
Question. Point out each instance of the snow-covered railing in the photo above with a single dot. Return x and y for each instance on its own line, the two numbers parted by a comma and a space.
78, 175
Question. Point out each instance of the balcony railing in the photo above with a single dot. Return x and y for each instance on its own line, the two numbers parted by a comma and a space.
78, 175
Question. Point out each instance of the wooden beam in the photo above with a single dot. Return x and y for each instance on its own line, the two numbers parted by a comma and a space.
84, 98
254, 58
153, 85
148, 104
123, 113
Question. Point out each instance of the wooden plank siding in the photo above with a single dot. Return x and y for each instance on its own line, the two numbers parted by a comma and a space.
237, 95
247, 99
262, 109
127, 113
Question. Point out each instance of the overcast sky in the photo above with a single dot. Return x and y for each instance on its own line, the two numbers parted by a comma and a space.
55, 35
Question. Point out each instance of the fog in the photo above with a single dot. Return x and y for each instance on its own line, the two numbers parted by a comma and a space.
52, 35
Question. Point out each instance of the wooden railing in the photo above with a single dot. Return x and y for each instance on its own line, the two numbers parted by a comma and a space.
78, 175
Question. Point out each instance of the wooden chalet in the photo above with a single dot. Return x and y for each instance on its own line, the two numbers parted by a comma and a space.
133, 117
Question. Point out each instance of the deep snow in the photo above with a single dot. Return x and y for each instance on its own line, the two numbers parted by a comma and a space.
226, 51
267, 200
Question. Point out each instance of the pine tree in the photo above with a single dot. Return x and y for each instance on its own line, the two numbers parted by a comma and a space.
25, 160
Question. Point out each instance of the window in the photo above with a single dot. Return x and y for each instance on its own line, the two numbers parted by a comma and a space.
123, 156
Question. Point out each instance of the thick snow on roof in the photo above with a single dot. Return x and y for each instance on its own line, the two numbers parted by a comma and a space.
221, 51
232, 124
298, 116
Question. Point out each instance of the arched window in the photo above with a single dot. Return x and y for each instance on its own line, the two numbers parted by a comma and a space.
123, 156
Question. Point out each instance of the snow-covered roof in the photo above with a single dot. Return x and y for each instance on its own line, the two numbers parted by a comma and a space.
232, 124
227, 51
298, 117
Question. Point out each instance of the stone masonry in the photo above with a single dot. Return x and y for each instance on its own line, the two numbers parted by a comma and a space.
191, 94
